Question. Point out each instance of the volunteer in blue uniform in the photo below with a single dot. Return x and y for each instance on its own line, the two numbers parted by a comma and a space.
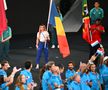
42, 44
47, 75
7, 80
69, 73
55, 81
85, 80
95, 78
75, 84
28, 75
104, 72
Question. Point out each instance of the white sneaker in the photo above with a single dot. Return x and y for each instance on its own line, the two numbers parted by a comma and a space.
0, 65
37, 66
57, 46
53, 46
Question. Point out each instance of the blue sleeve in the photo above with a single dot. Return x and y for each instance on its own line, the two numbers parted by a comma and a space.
2, 72
4, 86
101, 79
29, 80
16, 88
66, 75
101, 67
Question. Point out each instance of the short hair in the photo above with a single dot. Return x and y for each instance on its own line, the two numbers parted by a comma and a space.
97, 1
3, 62
70, 62
28, 64
61, 66
99, 19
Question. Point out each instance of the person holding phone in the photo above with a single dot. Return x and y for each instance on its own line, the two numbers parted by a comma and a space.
42, 44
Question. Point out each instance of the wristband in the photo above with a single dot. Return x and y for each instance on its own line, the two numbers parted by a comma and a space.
90, 62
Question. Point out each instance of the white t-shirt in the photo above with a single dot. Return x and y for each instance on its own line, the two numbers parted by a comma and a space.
43, 36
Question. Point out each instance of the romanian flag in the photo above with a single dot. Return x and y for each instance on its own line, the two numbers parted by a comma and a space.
3, 24
86, 22
55, 21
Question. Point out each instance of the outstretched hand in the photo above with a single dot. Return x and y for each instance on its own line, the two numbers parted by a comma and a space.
93, 57
15, 70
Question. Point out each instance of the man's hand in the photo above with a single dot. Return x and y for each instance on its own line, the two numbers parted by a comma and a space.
15, 70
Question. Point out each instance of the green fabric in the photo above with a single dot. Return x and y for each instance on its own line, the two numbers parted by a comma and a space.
7, 33
85, 12
0, 39
4, 46
52, 31
4, 50
96, 14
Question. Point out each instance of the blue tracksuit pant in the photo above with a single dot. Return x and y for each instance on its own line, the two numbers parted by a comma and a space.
42, 47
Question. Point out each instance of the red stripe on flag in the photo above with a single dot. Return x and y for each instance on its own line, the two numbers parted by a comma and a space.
86, 31
63, 46
3, 24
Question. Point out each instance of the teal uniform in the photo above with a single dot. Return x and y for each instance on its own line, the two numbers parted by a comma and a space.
46, 76
4, 46
96, 14
104, 73
75, 86
84, 80
28, 75
55, 79
69, 73
96, 81
3, 86
25, 87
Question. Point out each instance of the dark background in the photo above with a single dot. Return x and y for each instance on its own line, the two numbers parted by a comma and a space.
24, 16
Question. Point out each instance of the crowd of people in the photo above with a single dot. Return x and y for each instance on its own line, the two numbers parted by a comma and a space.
92, 75
87, 77
24, 80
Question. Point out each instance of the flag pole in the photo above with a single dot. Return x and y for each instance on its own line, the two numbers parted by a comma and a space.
49, 14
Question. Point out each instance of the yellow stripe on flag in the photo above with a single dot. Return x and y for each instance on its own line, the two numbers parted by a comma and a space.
59, 27
62, 40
